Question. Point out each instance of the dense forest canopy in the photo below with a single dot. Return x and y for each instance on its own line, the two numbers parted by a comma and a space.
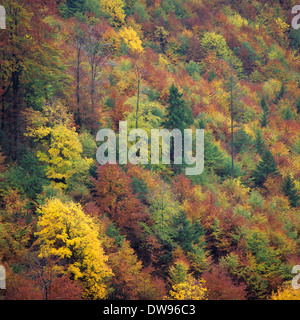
73, 229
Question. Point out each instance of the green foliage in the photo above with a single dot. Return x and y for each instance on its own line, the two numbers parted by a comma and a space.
139, 9
256, 200
259, 142
88, 144
280, 93
201, 121
114, 233
174, 6
187, 233
242, 141
267, 166
178, 272
29, 177
295, 37
193, 69
140, 188
75, 7
154, 229
298, 106
264, 119
152, 94
214, 158
211, 75
287, 115
178, 116
226, 169
289, 189
149, 116
212, 41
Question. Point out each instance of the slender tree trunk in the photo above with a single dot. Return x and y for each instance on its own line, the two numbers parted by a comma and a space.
78, 84
137, 103
232, 150
138, 77
93, 85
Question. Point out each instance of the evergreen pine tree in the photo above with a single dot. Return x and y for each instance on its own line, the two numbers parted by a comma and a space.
263, 103
187, 233
280, 93
264, 120
289, 189
259, 142
141, 189
298, 106
75, 6
265, 167
179, 116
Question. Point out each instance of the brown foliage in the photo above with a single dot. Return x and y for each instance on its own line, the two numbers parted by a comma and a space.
221, 287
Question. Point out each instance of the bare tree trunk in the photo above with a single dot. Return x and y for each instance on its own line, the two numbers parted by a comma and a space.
231, 112
137, 103
78, 83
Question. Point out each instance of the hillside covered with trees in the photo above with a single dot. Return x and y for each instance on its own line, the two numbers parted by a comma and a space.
73, 229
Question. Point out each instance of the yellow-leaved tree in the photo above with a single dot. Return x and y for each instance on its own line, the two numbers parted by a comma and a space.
131, 38
60, 148
184, 285
190, 289
286, 293
66, 232
115, 9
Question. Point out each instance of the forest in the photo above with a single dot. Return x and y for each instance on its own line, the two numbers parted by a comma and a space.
72, 229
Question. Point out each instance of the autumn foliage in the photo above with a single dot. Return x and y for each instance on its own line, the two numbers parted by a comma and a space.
73, 229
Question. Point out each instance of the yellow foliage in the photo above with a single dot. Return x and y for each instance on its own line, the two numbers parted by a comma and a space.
249, 130
172, 49
286, 293
236, 190
41, 122
163, 61
131, 38
237, 20
61, 151
115, 8
187, 33
190, 289
65, 231
212, 41
271, 88
276, 52
283, 26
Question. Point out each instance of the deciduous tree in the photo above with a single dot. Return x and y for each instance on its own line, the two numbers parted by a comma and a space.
66, 233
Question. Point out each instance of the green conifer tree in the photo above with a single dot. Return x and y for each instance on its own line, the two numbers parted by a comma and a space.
289, 189
298, 106
179, 116
280, 93
259, 142
264, 119
187, 233
265, 167
74, 6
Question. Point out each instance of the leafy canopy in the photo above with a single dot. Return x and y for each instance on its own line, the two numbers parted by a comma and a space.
66, 232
